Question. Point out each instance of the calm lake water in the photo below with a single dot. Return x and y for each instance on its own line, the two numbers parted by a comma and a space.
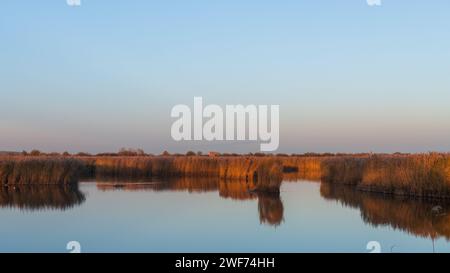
208, 216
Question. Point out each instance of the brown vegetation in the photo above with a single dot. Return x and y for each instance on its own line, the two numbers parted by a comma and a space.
266, 172
424, 175
39, 170
300, 167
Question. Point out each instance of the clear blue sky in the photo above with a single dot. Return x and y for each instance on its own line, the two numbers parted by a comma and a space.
348, 77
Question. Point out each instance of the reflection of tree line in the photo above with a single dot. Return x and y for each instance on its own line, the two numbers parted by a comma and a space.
270, 205
416, 216
36, 197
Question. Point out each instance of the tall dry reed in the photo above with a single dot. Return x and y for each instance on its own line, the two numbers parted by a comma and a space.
425, 175
39, 170
302, 167
265, 171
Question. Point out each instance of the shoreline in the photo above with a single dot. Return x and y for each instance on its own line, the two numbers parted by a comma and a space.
425, 176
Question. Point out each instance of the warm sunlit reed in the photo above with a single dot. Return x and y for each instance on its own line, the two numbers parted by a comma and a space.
426, 175
39, 170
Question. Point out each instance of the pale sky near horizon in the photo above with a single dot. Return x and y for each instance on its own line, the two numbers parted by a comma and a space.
348, 77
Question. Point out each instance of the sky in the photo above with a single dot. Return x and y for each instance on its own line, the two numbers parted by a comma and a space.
348, 77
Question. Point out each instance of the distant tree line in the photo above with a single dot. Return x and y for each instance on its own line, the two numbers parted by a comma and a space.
140, 152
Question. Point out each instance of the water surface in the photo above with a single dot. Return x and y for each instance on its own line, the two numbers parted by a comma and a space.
210, 216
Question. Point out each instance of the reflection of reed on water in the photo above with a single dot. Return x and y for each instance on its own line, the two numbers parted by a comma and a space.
296, 176
270, 206
416, 216
237, 190
39, 197
171, 184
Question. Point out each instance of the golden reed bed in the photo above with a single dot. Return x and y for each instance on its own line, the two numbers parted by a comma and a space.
19, 170
424, 175
265, 172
